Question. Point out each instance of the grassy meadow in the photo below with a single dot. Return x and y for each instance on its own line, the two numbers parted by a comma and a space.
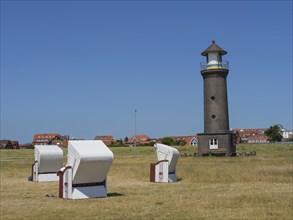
243, 187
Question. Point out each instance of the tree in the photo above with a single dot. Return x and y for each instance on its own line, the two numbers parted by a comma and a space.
167, 141
274, 132
182, 143
126, 139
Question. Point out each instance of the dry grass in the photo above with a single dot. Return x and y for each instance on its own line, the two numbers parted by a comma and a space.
258, 187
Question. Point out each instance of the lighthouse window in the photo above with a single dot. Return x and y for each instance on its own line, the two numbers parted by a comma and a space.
213, 116
220, 58
213, 143
213, 98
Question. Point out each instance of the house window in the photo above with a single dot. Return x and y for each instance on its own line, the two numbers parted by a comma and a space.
213, 143
193, 142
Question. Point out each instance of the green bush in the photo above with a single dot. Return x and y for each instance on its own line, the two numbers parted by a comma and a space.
182, 143
167, 141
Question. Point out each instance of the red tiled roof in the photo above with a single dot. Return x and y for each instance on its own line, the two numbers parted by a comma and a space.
258, 137
107, 139
44, 137
104, 137
248, 131
246, 134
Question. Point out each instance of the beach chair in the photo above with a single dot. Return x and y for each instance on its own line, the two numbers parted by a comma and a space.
165, 169
85, 175
48, 161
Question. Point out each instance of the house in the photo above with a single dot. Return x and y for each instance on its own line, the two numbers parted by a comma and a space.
60, 141
242, 135
5, 144
258, 139
15, 144
188, 140
107, 139
287, 133
191, 140
139, 139
50, 139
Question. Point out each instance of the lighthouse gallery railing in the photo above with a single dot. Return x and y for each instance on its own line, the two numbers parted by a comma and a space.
223, 65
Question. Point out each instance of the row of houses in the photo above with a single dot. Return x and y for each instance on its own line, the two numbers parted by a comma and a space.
250, 136
257, 135
62, 141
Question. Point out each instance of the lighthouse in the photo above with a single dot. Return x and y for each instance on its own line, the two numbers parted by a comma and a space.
217, 138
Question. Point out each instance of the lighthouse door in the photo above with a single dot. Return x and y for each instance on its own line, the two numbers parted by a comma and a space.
213, 143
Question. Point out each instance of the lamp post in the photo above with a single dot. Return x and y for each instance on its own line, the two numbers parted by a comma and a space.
135, 132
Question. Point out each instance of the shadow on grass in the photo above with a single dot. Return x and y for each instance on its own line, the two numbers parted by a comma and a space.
114, 194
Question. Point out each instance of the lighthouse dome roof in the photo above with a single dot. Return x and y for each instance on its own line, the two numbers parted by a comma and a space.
213, 48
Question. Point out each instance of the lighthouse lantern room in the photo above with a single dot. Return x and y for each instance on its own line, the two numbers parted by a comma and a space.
213, 56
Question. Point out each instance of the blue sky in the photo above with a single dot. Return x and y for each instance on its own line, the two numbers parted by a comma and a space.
81, 68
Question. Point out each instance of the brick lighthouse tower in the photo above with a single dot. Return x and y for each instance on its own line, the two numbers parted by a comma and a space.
217, 138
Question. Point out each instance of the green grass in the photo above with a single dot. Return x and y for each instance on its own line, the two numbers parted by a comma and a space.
255, 187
